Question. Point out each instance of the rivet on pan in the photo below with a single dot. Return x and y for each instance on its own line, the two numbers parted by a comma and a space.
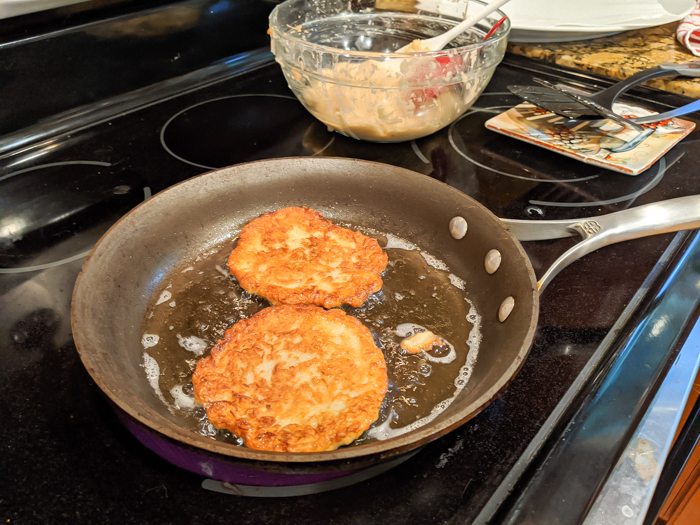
492, 261
458, 227
506, 308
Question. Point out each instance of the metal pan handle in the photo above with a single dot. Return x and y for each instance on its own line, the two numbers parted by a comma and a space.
672, 215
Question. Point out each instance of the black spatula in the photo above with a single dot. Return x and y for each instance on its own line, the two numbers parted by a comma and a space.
570, 103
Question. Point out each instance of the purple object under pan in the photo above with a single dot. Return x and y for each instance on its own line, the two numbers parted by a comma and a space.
228, 478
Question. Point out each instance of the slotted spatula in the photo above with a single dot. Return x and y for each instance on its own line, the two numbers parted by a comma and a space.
570, 103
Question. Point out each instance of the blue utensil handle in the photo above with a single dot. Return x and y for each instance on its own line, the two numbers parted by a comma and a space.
683, 110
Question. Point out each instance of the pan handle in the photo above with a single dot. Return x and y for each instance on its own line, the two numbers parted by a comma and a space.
671, 215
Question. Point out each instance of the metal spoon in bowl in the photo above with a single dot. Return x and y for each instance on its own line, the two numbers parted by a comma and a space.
438, 42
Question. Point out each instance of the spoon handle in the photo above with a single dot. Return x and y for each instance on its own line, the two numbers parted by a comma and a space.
438, 42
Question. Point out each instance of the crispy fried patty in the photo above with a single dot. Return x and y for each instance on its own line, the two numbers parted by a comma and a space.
295, 256
293, 379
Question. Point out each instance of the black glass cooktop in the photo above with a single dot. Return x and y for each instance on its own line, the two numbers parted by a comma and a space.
60, 436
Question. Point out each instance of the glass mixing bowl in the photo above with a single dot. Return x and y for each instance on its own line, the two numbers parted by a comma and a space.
338, 58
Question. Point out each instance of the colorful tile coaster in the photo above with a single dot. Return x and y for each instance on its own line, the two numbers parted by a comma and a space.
598, 142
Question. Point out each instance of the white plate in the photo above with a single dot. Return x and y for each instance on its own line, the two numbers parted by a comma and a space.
543, 37
565, 20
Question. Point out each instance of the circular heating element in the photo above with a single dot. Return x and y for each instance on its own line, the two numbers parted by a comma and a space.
242, 128
501, 155
45, 207
507, 163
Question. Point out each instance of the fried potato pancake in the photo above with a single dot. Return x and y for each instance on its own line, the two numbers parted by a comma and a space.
295, 256
293, 379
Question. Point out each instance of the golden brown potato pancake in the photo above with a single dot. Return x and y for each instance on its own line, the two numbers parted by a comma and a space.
295, 256
293, 379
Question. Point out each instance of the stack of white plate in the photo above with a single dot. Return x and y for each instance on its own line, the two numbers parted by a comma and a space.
566, 20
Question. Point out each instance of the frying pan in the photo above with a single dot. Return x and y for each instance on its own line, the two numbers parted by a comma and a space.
132, 262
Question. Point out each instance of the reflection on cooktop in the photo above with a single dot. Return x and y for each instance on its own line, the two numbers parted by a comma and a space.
45, 207
242, 128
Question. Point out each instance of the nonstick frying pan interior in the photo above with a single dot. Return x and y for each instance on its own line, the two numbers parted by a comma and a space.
133, 260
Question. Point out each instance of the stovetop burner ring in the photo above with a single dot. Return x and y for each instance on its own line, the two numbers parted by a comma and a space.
220, 132
604, 188
46, 266
61, 203
54, 164
615, 200
490, 109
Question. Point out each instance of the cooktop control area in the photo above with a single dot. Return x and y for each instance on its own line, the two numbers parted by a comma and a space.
62, 439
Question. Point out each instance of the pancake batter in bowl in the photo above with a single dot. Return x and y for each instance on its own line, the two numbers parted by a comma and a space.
390, 101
